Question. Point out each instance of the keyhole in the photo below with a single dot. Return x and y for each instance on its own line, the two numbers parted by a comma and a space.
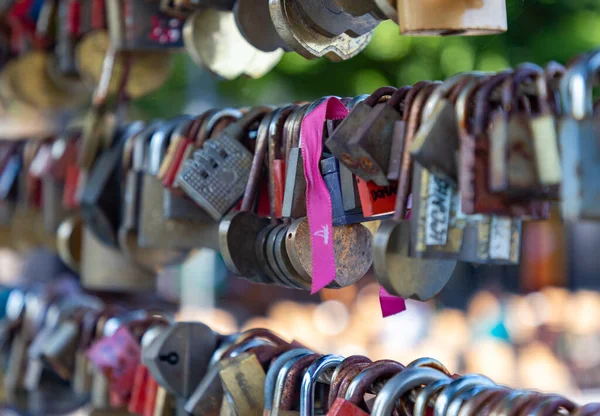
171, 358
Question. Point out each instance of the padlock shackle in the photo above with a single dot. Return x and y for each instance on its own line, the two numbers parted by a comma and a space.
208, 125
196, 126
378, 94
340, 373
309, 381
158, 146
253, 333
275, 150
141, 143
426, 395
444, 90
401, 384
450, 390
354, 101
260, 150
410, 97
511, 89
363, 382
405, 176
398, 97
281, 385
554, 72
464, 100
274, 369
294, 378
483, 101
576, 87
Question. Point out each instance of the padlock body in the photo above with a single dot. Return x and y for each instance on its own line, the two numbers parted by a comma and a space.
580, 160
452, 17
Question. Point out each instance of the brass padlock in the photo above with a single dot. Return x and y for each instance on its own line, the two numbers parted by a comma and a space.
452, 17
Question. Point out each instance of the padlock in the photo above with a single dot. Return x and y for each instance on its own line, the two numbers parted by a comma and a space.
379, 9
288, 383
476, 197
273, 373
143, 392
256, 25
370, 144
512, 159
330, 169
398, 139
173, 358
439, 229
208, 394
314, 30
104, 268
377, 202
238, 231
207, 29
363, 383
59, 348
544, 128
243, 381
446, 18
154, 230
436, 142
578, 135
354, 128
100, 201
176, 205
396, 271
216, 176
294, 197
401, 384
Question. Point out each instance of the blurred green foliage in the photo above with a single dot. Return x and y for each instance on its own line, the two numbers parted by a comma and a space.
539, 31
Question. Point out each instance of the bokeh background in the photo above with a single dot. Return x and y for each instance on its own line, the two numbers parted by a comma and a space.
539, 31
535, 325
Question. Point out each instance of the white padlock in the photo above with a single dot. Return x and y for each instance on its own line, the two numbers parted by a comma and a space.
452, 17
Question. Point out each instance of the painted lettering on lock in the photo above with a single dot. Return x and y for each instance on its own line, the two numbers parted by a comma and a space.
383, 192
438, 211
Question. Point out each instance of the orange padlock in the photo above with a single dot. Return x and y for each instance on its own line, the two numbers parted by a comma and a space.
375, 199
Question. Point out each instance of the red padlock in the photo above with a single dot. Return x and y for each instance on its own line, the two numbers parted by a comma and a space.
137, 400
118, 357
151, 394
375, 199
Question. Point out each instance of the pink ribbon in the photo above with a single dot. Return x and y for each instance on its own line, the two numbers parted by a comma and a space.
390, 305
318, 200
318, 203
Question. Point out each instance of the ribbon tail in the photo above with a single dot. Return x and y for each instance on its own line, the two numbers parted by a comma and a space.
390, 305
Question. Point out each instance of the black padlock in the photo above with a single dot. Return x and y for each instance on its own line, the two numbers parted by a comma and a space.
330, 169
100, 202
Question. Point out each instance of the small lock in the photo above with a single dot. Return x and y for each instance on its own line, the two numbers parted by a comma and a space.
370, 144
340, 142
216, 177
